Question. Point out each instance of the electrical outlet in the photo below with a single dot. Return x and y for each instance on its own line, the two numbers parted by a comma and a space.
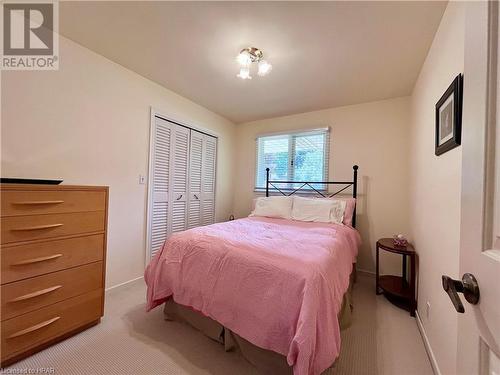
428, 310
142, 179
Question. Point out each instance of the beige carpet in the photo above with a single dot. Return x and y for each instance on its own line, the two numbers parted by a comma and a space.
382, 340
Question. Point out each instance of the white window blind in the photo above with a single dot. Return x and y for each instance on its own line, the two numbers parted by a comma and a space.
293, 157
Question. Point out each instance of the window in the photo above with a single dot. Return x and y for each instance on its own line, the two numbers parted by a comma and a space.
293, 157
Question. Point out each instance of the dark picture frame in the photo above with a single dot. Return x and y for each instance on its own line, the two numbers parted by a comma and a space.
449, 117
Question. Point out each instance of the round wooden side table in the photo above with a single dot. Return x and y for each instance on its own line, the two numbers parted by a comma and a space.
399, 290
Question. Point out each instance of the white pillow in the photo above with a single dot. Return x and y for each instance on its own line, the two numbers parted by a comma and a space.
273, 207
324, 210
307, 209
338, 210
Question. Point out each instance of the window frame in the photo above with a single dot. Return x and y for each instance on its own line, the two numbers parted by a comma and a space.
292, 137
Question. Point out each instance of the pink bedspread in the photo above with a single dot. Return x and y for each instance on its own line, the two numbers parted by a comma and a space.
277, 283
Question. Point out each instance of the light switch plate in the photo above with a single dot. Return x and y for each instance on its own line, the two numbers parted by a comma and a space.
142, 179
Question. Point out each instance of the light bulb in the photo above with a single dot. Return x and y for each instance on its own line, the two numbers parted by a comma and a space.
244, 73
244, 58
264, 68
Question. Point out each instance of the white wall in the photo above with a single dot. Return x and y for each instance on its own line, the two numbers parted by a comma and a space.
435, 189
373, 135
89, 124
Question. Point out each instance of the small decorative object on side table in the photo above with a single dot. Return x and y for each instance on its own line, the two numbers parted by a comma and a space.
400, 241
399, 290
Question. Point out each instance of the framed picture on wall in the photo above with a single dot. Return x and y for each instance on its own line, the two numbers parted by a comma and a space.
449, 117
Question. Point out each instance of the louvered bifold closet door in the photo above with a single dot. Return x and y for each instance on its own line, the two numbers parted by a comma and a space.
195, 179
159, 184
208, 180
179, 165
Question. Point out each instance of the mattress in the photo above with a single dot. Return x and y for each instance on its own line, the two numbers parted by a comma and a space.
277, 283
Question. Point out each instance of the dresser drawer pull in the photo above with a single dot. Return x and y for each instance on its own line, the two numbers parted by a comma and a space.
37, 260
36, 294
38, 227
30, 203
36, 327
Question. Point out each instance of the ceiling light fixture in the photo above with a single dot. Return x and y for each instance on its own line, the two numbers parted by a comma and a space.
244, 73
244, 58
264, 68
250, 55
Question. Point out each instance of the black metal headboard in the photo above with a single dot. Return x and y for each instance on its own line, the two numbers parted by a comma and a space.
309, 185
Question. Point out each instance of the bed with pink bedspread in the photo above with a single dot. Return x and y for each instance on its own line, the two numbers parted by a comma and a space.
277, 283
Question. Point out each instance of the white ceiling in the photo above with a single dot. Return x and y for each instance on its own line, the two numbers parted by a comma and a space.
324, 54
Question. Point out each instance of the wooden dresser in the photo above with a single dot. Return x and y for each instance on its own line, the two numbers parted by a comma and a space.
53, 254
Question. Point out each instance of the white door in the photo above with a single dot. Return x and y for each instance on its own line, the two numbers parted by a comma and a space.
202, 164
479, 327
181, 187
208, 180
179, 165
159, 185
195, 179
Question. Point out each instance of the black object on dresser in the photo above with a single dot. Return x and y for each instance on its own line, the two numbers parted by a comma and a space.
400, 290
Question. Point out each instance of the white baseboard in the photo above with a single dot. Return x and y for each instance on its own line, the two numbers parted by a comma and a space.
365, 272
428, 349
123, 284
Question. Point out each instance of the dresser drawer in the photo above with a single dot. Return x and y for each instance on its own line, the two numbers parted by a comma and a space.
16, 203
31, 294
25, 228
28, 260
34, 328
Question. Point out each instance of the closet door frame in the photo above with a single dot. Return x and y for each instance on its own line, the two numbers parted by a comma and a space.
154, 112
